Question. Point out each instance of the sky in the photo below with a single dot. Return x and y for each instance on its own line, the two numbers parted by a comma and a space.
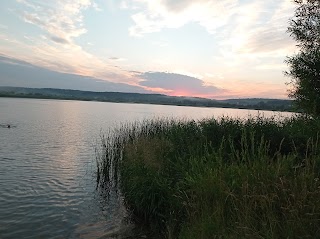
206, 48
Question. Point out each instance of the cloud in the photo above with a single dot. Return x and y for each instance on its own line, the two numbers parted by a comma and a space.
261, 33
62, 22
177, 84
123, 5
250, 38
62, 19
248, 35
265, 40
96, 7
263, 30
22, 74
113, 58
177, 5
59, 40
158, 14
240, 27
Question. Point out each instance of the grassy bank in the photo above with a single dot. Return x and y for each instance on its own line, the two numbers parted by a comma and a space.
228, 178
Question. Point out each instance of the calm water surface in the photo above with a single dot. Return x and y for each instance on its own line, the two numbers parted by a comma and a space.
47, 164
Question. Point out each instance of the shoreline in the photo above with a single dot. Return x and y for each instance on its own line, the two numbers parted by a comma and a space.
217, 178
146, 103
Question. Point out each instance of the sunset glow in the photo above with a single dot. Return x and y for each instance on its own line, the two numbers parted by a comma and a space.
208, 48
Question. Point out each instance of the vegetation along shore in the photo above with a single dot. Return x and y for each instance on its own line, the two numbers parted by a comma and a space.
159, 99
230, 178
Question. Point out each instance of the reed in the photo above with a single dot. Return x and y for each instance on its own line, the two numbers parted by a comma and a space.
230, 178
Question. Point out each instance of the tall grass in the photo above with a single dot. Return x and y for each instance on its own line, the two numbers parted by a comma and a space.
230, 178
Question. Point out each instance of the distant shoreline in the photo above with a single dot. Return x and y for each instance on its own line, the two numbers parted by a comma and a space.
154, 99
123, 102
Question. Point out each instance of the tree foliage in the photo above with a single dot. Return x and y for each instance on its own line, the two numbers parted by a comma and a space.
304, 67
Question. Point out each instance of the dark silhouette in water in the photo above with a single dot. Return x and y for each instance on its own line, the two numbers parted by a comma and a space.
8, 126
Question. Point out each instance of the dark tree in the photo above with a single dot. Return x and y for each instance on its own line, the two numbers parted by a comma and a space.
304, 67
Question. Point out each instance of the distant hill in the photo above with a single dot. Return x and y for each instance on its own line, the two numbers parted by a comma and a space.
49, 93
275, 104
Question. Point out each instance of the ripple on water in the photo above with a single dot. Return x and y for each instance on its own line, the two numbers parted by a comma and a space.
47, 189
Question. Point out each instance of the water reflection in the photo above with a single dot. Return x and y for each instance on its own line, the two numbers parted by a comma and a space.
47, 184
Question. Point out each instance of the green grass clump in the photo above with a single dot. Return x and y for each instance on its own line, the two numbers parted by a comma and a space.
229, 178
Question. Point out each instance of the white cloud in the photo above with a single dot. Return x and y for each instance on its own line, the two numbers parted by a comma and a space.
124, 5
264, 30
241, 28
248, 35
96, 7
158, 14
62, 21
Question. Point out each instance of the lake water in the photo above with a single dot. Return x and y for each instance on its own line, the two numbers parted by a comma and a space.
47, 164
